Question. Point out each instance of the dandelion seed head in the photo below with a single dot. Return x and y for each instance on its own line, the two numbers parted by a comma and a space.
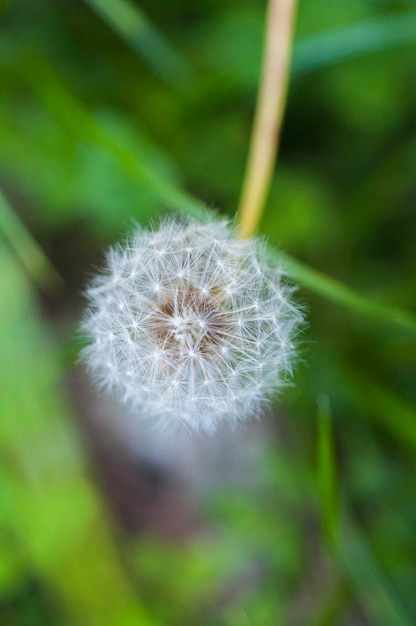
189, 325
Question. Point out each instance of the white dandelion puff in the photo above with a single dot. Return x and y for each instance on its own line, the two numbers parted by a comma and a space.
189, 325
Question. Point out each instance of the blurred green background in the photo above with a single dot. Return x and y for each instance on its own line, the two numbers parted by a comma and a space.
115, 111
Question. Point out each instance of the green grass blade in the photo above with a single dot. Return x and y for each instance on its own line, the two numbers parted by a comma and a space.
384, 407
26, 248
326, 473
136, 30
395, 415
69, 111
341, 294
320, 51
50, 506
348, 544
364, 574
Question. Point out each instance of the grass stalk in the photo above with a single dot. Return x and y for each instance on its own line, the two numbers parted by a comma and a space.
269, 114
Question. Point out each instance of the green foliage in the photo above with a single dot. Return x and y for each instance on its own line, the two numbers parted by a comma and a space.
114, 112
49, 508
126, 19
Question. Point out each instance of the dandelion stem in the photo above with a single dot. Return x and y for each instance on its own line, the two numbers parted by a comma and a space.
269, 113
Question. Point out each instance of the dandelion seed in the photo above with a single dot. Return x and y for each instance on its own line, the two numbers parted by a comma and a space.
197, 325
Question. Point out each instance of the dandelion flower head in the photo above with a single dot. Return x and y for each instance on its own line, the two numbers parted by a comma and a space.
189, 325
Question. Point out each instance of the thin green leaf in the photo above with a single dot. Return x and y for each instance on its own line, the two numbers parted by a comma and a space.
384, 407
326, 470
394, 414
51, 507
26, 248
320, 51
365, 575
339, 293
349, 545
53, 93
136, 30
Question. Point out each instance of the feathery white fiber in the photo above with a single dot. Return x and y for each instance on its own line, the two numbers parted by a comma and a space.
189, 325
